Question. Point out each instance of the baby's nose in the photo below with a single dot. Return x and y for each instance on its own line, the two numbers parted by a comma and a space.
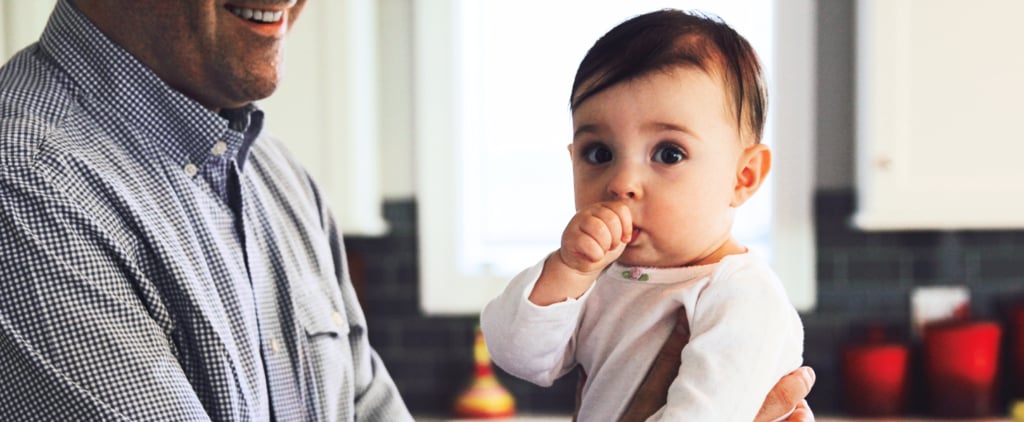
623, 195
625, 185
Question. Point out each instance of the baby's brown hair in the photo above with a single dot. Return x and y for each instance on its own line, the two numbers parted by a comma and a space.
661, 40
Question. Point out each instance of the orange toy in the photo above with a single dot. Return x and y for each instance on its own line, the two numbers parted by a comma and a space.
485, 397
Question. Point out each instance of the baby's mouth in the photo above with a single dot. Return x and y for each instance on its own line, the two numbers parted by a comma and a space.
635, 235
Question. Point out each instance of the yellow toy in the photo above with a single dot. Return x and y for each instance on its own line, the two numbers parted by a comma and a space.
485, 397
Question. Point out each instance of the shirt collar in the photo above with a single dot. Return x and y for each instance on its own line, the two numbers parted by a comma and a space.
660, 275
249, 121
109, 76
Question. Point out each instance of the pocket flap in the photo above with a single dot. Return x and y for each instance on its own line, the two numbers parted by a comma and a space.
319, 317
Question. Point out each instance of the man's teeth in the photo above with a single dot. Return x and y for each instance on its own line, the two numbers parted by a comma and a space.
264, 16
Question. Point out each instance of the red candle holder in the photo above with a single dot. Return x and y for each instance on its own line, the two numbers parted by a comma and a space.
961, 362
875, 379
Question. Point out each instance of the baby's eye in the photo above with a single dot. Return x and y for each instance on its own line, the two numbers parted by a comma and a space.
669, 154
597, 154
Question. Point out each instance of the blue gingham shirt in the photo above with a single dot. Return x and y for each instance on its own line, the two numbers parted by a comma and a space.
159, 261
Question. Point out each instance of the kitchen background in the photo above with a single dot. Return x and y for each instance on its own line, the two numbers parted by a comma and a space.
864, 278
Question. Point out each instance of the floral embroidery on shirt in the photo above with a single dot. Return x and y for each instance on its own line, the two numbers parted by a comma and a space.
635, 274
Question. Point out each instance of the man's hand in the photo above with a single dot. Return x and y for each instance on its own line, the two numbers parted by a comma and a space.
786, 400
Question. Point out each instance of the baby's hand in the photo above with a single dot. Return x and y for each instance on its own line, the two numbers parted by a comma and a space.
596, 236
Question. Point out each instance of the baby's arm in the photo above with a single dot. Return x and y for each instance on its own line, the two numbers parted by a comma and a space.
530, 328
535, 343
745, 336
594, 238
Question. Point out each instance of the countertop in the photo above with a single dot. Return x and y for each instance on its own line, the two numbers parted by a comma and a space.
562, 418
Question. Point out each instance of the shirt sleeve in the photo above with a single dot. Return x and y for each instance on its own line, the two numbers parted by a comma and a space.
76, 341
535, 343
745, 335
377, 397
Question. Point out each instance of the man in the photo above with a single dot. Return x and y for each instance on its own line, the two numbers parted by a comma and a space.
162, 259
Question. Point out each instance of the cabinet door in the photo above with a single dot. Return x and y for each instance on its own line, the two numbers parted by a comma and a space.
940, 88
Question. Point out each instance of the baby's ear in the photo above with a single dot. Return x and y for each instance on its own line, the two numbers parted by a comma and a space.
751, 170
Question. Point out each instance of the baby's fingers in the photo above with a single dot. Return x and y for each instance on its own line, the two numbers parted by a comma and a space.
609, 224
623, 221
585, 251
597, 235
602, 234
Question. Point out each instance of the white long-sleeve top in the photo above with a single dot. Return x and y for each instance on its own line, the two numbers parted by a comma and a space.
745, 335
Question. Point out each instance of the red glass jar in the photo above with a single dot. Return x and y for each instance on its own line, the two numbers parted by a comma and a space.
875, 379
961, 362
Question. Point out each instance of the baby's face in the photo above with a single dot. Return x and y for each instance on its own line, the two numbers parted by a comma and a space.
668, 146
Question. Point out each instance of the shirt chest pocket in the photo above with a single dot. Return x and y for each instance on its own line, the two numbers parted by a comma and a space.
319, 318
326, 349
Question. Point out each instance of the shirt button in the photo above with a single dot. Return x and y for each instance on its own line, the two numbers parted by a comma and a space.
191, 169
338, 320
219, 148
275, 345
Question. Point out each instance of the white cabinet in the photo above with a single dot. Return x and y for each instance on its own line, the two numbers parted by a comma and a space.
940, 102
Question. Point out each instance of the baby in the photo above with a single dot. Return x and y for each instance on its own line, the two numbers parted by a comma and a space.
668, 111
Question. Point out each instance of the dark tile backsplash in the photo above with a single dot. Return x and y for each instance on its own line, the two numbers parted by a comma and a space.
863, 278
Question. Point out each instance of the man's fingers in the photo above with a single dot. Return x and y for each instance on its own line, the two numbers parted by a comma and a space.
788, 394
802, 413
802, 379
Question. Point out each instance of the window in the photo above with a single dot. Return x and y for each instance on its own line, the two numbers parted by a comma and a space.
494, 177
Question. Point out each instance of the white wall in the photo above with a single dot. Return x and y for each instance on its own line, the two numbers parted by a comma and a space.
396, 98
21, 22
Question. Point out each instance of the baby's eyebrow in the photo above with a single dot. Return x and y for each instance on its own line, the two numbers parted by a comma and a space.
661, 126
585, 129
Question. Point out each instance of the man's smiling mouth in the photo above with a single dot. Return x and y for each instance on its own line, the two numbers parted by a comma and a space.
256, 15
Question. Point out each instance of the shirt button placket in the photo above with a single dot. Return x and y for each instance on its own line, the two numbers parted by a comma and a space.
219, 148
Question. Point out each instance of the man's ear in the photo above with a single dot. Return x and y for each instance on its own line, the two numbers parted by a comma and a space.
569, 147
751, 170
